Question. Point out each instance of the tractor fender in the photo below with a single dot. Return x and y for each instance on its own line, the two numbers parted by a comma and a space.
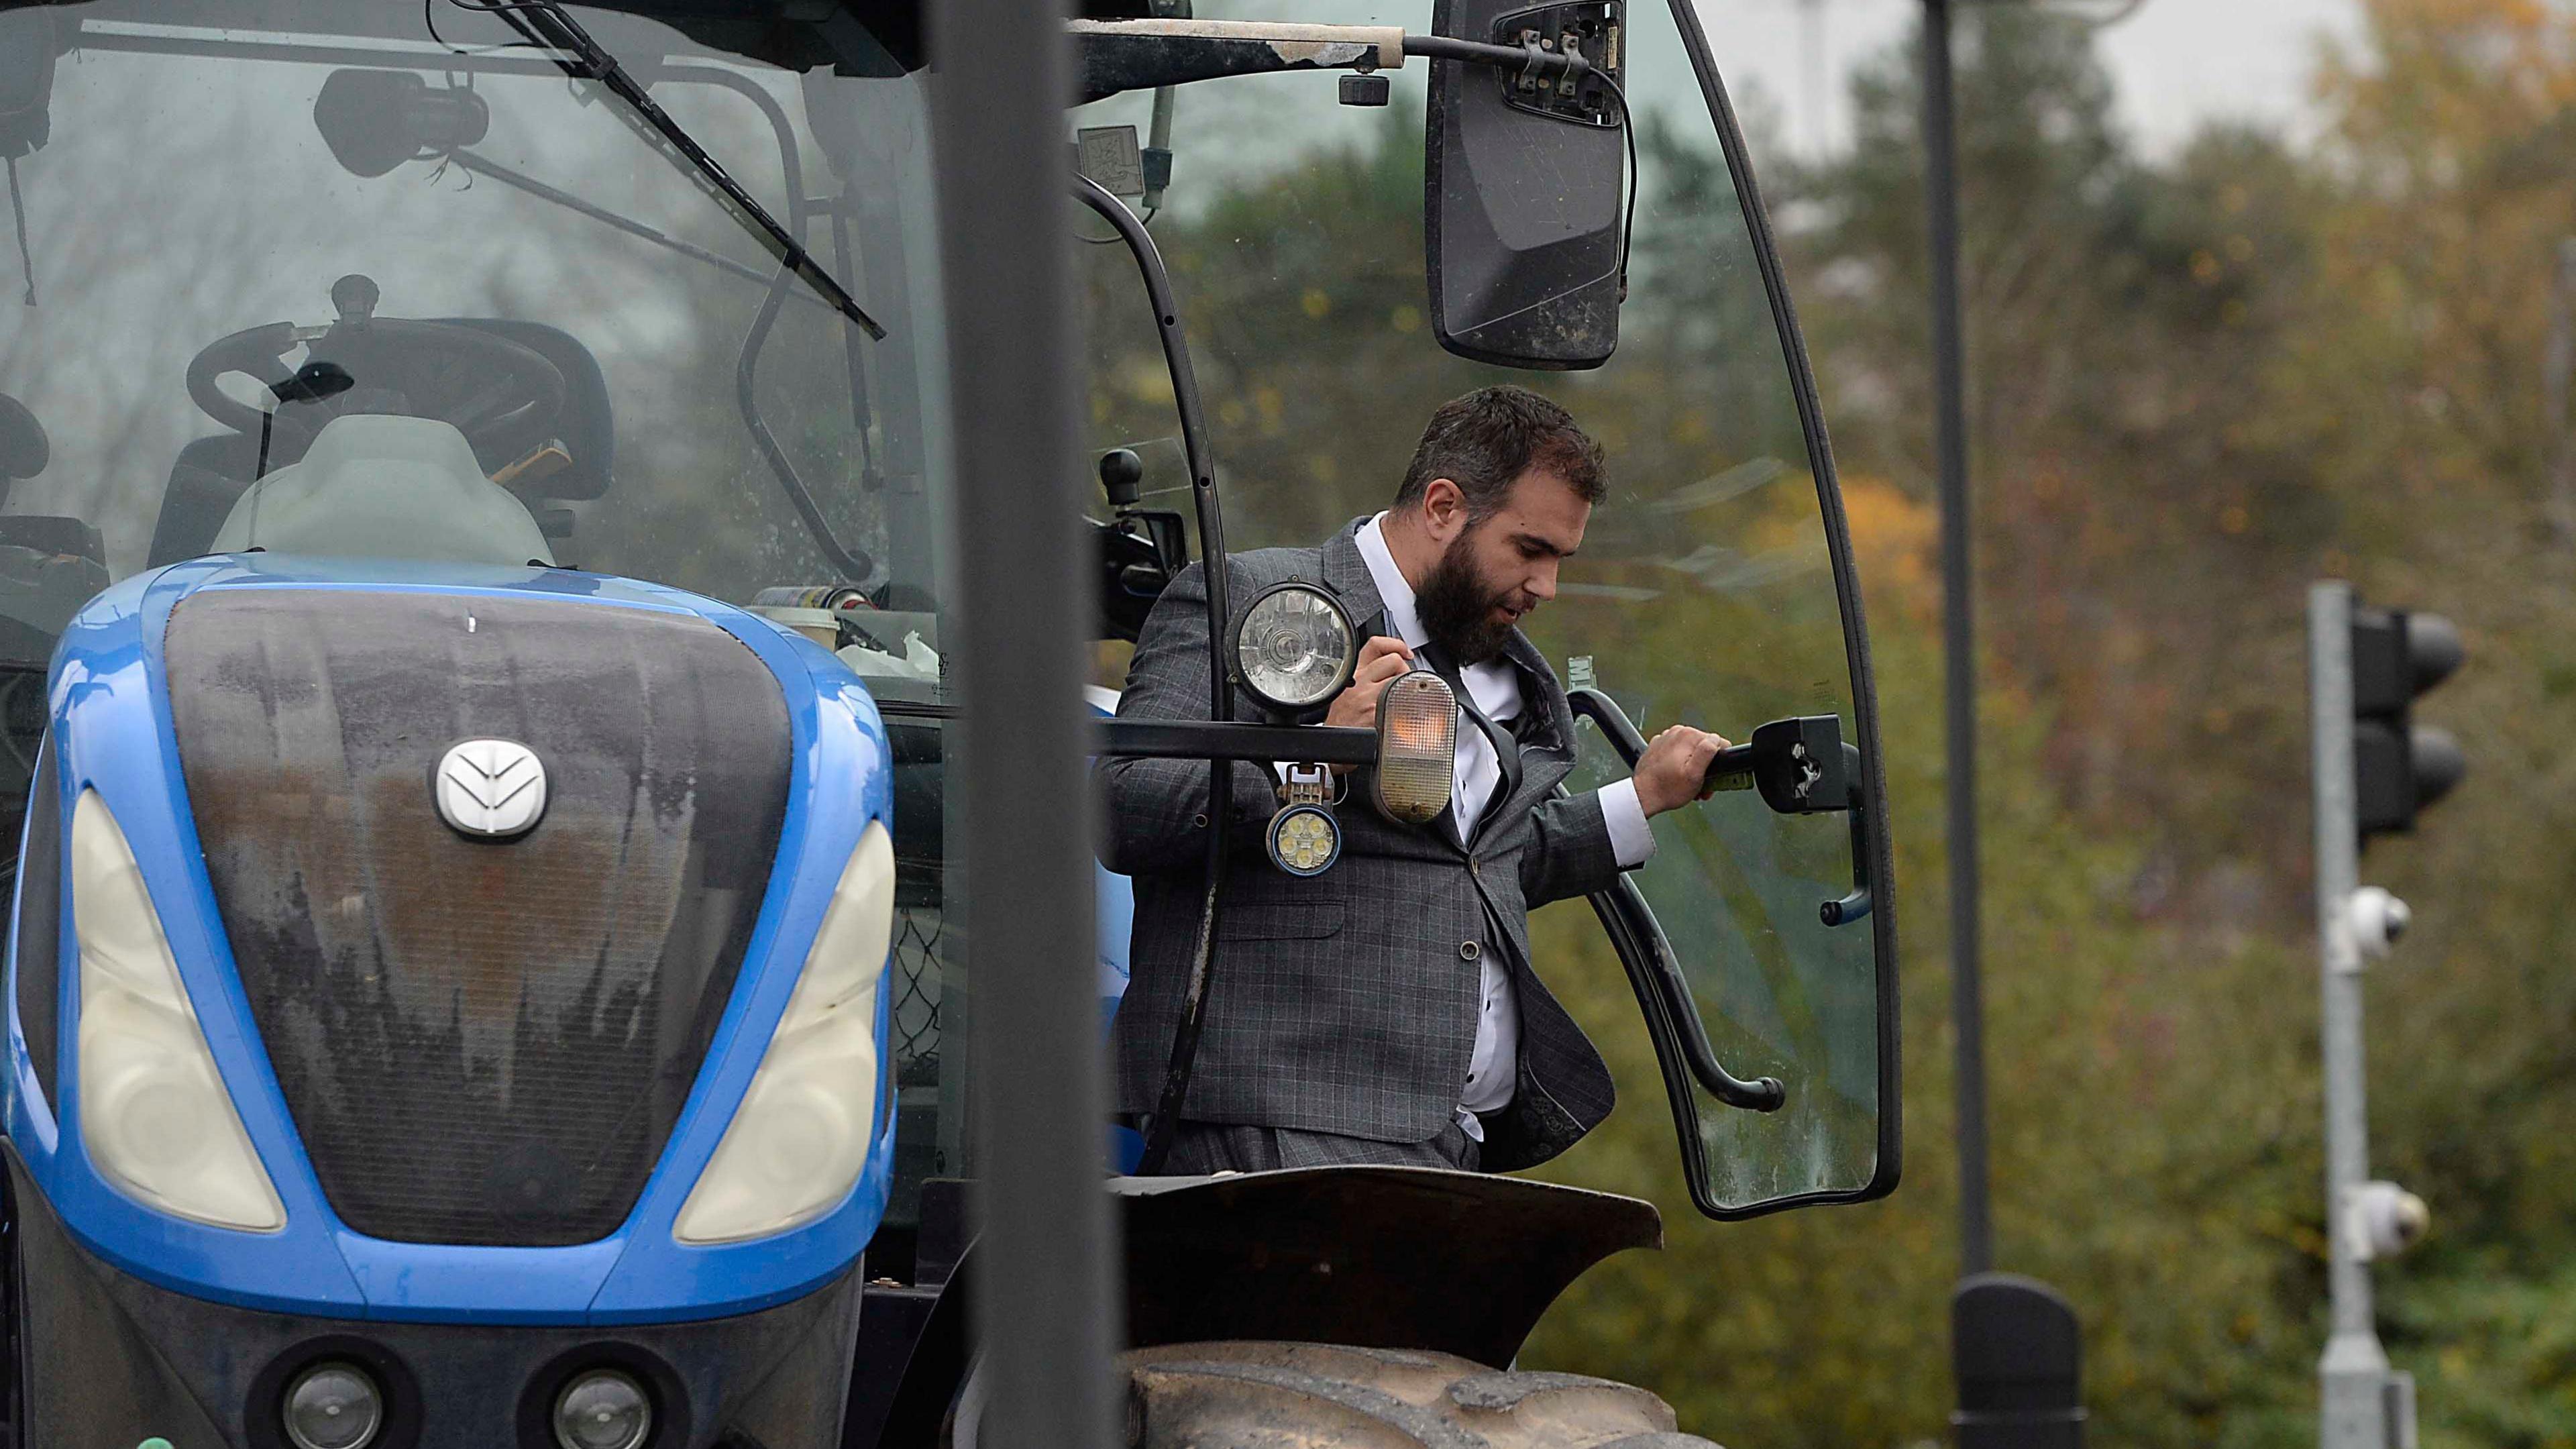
1458, 1263
1373, 1257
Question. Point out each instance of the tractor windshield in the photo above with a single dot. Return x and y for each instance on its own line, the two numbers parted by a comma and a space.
386, 281
376, 279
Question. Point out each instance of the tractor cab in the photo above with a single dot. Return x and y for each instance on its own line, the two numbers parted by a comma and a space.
476, 484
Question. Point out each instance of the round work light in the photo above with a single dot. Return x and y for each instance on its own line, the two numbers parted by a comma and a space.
602, 1409
1304, 840
1295, 648
333, 1406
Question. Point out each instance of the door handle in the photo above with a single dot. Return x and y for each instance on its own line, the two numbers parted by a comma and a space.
1801, 766
1855, 906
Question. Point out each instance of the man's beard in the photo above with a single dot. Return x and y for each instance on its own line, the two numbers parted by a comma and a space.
1457, 608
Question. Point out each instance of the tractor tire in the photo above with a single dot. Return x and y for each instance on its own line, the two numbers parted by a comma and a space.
1327, 1396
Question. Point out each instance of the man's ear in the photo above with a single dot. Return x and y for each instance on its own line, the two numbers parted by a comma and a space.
1444, 510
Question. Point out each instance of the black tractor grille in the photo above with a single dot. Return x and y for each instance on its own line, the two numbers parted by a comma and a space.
481, 1041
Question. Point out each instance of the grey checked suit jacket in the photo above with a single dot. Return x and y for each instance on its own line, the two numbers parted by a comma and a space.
1346, 1003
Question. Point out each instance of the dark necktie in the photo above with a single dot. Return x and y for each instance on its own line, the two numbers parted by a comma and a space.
1507, 753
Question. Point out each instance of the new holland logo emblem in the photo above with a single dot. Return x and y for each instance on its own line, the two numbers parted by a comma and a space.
491, 789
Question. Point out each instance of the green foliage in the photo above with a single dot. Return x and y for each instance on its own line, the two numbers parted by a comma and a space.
2199, 383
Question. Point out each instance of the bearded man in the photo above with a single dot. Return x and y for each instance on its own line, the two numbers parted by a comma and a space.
1386, 1011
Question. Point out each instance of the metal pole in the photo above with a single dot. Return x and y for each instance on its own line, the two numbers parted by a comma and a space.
1958, 636
1045, 1315
2557, 371
2354, 1370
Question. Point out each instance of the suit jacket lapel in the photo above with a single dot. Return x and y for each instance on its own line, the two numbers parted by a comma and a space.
1542, 696
1549, 726
1347, 574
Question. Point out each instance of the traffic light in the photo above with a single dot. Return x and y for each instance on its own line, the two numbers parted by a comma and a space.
2399, 767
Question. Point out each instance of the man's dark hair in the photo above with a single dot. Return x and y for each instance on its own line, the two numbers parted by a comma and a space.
1490, 437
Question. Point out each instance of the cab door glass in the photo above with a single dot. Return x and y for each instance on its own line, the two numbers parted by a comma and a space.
1714, 585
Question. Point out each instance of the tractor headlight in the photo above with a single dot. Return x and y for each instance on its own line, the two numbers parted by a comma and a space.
1294, 647
154, 1114
801, 1137
1417, 748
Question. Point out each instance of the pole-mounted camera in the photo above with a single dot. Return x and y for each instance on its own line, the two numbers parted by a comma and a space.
2374, 768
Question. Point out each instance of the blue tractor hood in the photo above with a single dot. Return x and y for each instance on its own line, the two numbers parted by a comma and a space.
482, 1075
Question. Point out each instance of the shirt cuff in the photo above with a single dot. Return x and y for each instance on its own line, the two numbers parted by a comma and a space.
1631, 840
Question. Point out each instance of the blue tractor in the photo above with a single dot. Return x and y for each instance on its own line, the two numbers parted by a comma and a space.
482, 967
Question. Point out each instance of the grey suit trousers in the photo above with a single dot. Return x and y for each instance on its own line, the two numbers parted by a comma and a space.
1199, 1148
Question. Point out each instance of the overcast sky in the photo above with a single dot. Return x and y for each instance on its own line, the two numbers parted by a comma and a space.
2177, 62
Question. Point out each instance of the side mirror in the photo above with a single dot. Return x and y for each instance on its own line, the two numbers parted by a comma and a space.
1523, 189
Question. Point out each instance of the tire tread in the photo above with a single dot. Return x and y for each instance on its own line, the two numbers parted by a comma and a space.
1258, 1395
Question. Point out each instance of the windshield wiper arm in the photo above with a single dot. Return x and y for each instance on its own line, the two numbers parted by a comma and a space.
549, 24
478, 164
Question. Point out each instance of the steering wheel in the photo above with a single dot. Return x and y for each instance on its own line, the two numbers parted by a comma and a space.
502, 395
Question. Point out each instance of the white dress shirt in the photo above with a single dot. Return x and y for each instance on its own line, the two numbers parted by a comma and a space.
1493, 1070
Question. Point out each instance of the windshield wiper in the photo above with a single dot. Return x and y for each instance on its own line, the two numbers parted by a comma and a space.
582, 58
477, 164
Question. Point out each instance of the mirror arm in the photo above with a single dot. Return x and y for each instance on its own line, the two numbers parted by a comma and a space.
1524, 60
1134, 55
1116, 56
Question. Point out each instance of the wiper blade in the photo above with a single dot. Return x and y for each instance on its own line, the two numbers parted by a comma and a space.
549, 24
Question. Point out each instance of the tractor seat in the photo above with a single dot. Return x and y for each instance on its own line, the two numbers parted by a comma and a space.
380, 486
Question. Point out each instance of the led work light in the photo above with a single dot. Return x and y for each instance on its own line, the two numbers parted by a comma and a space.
1304, 839
1294, 648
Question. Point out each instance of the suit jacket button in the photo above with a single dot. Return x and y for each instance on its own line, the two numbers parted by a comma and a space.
1469, 950
1476, 869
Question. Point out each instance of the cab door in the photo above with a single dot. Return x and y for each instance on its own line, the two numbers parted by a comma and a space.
1715, 584
1716, 588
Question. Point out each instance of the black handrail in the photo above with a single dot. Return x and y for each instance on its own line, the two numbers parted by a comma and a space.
1658, 979
1185, 399
1193, 739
